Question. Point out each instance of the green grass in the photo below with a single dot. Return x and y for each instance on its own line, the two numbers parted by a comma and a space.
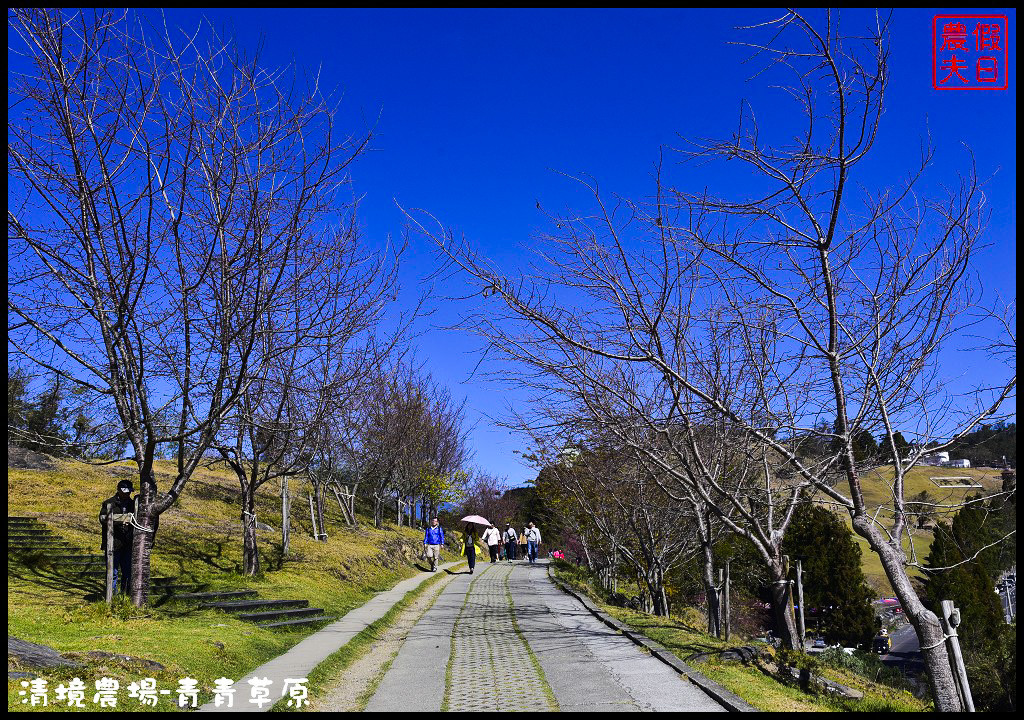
682, 636
199, 541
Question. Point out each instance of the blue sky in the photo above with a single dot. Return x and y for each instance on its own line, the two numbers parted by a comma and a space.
475, 111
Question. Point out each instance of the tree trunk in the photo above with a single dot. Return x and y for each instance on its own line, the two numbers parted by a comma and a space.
711, 591
586, 552
654, 578
250, 550
782, 606
925, 622
142, 548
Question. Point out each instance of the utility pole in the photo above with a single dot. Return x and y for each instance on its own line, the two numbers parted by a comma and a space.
950, 619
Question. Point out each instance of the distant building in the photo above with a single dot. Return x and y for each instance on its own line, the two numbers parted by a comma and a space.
960, 463
937, 459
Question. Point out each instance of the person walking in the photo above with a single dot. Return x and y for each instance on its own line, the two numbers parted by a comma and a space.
510, 542
492, 536
522, 545
433, 539
119, 509
532, 542
469, 547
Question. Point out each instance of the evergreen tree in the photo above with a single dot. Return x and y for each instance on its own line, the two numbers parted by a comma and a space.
902, 447
43, 420
924, 506
834, 583
18, 403
865, 447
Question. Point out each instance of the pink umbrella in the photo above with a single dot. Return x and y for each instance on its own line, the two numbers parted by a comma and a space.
476, 520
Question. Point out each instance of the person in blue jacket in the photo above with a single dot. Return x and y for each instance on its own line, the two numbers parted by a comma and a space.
433, 539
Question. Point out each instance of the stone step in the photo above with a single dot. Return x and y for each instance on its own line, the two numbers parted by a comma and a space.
175, 589
300, 621
255, 604
218, 595
281, 614
20, 534
76, 560
39, 545
78, 556
15, 519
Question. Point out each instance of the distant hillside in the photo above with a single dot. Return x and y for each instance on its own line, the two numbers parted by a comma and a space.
987, 446
877, 487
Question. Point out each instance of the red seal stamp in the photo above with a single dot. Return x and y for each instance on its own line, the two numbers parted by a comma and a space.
970, 52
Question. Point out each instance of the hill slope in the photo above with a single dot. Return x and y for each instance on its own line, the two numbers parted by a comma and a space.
199, 541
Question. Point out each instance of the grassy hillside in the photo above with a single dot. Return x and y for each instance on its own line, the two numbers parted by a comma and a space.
878, 497
199, 540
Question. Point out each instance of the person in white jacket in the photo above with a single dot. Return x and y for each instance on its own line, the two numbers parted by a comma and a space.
492, 536
532, 542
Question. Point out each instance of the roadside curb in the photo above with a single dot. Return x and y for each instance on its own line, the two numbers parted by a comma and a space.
729, 700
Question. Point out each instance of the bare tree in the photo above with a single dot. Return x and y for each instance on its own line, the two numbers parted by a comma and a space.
316, 344
405, 442
620, 498
160, 186
834, 308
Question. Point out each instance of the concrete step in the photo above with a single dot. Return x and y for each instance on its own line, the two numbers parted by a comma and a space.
41, 545
286, 614
301, 621
218, 595
255, 604
17, 519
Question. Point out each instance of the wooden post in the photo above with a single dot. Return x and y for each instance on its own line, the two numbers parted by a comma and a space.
718, 602
108, 531
318, 495
341, 505
725, 602
950, 618
312, 516
800, 599
285, 516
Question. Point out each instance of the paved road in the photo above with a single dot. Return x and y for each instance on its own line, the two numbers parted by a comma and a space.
904, 650
507, 639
